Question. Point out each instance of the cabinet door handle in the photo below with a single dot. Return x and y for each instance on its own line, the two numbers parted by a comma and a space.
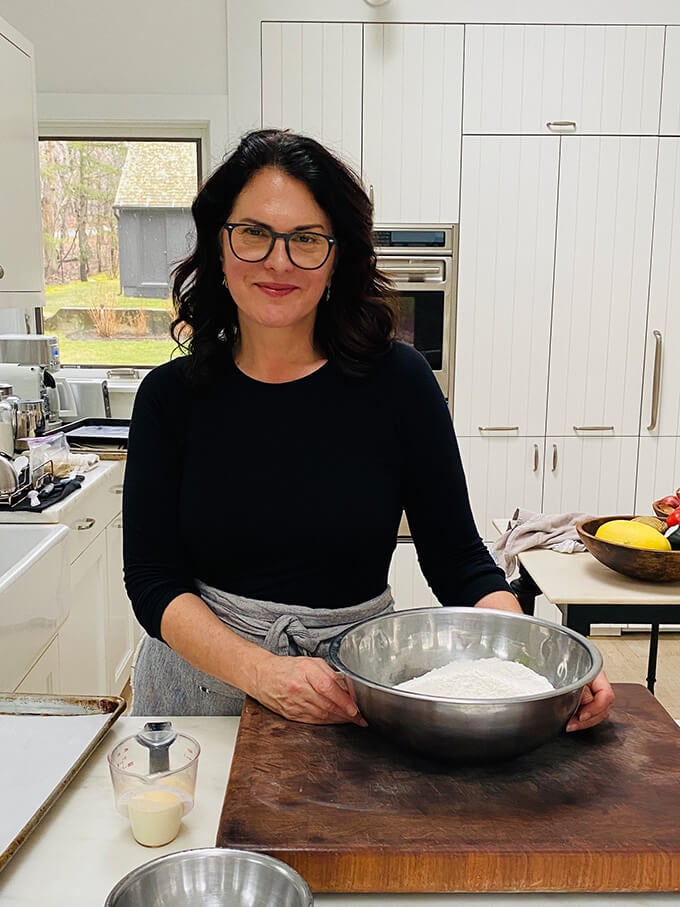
116, 489
535, 457
656, 384
593, 427
87, 523
498, 427
561, 124
554, 457
371, 196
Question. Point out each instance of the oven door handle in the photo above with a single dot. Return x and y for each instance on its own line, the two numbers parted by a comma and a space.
425, 276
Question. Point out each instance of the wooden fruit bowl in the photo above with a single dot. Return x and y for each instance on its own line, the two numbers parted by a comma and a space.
662, 510
639, 563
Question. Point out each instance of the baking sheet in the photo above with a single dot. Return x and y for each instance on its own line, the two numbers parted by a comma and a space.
45, 740
96, 434
99, 433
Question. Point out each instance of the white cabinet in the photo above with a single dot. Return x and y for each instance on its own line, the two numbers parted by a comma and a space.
97, 641
505, 276
659, 456
372, 92
120, 626
412, 104
503, 473
311, 82
603, 246
21, 283
670, 103
82, 641
553, 288
592, 474
592, 79
93, 649
556, 237
658, 471
409, 586
45, 675
661, 410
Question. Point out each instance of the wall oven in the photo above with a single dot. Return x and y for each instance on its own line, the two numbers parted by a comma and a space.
420, 260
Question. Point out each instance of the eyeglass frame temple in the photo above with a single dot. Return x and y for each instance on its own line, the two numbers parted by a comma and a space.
331, 240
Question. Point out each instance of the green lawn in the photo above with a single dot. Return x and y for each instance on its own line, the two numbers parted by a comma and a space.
115, 352
105, 291
99, 290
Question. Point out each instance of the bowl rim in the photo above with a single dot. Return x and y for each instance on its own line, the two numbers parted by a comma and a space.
606, 519
593, 651
253, 856
145, 777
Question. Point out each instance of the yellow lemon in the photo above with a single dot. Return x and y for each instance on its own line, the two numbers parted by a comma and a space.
633, 535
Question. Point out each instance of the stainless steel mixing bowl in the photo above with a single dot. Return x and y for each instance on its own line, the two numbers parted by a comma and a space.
381, 652
212, 877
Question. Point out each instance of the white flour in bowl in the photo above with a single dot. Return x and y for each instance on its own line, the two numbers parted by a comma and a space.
481, 678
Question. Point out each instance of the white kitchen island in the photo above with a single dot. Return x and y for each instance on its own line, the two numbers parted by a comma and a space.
83, 846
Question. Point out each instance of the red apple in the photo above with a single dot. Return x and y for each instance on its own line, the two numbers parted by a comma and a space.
670, 500
673, 518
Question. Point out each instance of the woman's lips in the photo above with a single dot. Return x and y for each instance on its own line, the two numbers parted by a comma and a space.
276, 289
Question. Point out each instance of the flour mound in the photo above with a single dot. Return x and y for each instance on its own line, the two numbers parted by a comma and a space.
481, 678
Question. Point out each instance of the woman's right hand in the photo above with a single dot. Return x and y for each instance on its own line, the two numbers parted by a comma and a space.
305, 689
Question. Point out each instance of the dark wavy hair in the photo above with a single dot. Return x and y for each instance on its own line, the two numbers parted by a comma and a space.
354, 328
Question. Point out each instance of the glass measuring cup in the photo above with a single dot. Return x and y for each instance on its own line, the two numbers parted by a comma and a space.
153, 774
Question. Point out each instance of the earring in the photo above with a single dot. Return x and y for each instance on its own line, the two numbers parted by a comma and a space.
224, 283
328, 293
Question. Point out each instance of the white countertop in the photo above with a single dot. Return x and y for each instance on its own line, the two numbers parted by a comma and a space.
83, 846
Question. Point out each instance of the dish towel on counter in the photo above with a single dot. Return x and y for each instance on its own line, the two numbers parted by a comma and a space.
537, 530
163, 683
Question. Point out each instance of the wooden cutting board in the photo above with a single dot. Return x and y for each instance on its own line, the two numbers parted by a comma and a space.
597, 810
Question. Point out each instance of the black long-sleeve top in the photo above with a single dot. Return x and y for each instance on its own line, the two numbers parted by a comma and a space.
293, 492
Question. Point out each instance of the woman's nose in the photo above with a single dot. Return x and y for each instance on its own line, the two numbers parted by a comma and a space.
278, 257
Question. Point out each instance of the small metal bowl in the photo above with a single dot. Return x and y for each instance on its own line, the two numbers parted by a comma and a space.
381, 652
212, 877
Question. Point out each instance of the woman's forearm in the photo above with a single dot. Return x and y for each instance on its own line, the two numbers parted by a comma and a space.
190, 628
301, 688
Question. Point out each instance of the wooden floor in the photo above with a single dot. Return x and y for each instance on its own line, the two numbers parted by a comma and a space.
625, 661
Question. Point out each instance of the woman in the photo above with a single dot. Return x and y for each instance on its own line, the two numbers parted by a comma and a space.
267, 470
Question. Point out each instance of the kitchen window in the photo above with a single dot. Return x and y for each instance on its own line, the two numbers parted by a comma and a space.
116, 217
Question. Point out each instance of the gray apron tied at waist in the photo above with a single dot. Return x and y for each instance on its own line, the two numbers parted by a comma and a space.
288, 629
163, 683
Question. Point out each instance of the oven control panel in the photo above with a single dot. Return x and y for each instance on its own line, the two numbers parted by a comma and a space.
424, 239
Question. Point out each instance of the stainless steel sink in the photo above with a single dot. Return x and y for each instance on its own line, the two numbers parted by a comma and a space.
33, 595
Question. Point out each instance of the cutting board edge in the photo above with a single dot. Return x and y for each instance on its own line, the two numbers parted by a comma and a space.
432, 873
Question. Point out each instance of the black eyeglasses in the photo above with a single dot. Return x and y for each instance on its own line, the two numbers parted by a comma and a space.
305, 249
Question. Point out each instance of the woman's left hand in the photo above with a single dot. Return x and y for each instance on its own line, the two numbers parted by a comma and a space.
596, 700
